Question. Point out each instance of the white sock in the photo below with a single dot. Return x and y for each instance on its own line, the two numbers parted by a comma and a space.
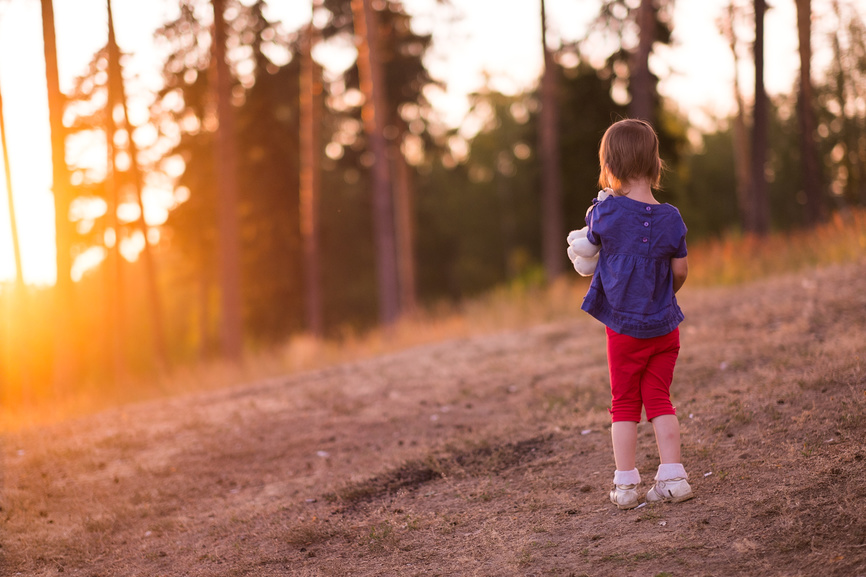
626, 477
669, 471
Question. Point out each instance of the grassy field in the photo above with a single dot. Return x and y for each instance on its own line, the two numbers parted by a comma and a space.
480, 447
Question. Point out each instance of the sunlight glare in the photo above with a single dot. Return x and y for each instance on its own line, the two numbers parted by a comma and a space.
87, 208
88, 260
157, 202
128, 212
132, 246
109, 237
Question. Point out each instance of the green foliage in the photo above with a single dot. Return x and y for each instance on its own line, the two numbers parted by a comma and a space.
841, 115
477, 220
708, 183
586, 111
708, 178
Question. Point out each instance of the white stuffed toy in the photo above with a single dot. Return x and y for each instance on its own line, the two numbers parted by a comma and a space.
582, 253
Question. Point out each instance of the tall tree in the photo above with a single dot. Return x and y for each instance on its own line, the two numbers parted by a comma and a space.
309, 97
374, 116
87, 114
552, 225
401, 51
740, 140
187, 75
13, 220
117, 96
404, 226
228, 243
758, 221
115, 286
267, 118
16, 371
65, 366
815, 209
641, 81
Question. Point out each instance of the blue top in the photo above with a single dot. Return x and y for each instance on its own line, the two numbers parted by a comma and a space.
632, 291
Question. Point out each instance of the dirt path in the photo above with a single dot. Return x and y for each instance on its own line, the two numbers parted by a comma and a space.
485, 456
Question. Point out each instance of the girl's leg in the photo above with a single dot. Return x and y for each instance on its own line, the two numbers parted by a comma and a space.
671, 484
655, 391
624, 437
626, 362
626, 478
667, 430
625, 368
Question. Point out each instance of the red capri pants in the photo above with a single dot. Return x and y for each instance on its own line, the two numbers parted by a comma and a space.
641, 372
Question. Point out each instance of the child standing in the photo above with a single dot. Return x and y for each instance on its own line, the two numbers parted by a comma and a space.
642, 264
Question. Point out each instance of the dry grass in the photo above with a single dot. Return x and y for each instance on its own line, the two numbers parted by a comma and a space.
736, 258
477, 455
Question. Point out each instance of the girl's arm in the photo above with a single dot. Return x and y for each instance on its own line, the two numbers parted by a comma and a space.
680, 270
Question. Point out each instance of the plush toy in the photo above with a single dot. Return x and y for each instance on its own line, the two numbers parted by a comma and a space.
582, 253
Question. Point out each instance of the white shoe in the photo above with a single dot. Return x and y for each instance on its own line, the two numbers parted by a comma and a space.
670, 491
624, 496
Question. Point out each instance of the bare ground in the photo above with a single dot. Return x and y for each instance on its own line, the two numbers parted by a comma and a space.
482, 456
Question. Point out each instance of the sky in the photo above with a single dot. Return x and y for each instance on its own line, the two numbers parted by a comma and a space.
499, 38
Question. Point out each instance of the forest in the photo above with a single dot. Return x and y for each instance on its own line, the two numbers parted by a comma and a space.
313, 202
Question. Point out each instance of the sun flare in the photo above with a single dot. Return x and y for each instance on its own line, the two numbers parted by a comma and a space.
34, 212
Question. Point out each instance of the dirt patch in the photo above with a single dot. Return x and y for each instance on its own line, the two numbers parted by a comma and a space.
484, 456
411, 475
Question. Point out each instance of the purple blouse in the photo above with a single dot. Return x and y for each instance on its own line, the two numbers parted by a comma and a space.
632, 290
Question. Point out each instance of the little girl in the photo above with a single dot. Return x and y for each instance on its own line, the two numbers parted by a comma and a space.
641, 265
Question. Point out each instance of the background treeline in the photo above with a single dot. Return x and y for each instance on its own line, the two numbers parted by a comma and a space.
467, 202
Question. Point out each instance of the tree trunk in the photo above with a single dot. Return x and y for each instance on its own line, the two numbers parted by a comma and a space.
740, 136
115, 289
374, 114
225, 162
552, 227
13, 220
16, 371
309, 96
641, 87
404, 224
814, 209
115, 72
65, 367
759, 215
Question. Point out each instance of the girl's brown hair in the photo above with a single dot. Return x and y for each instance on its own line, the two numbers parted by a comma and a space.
629, 150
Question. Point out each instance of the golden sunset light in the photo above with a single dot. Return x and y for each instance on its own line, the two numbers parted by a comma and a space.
22, 82
483, 288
